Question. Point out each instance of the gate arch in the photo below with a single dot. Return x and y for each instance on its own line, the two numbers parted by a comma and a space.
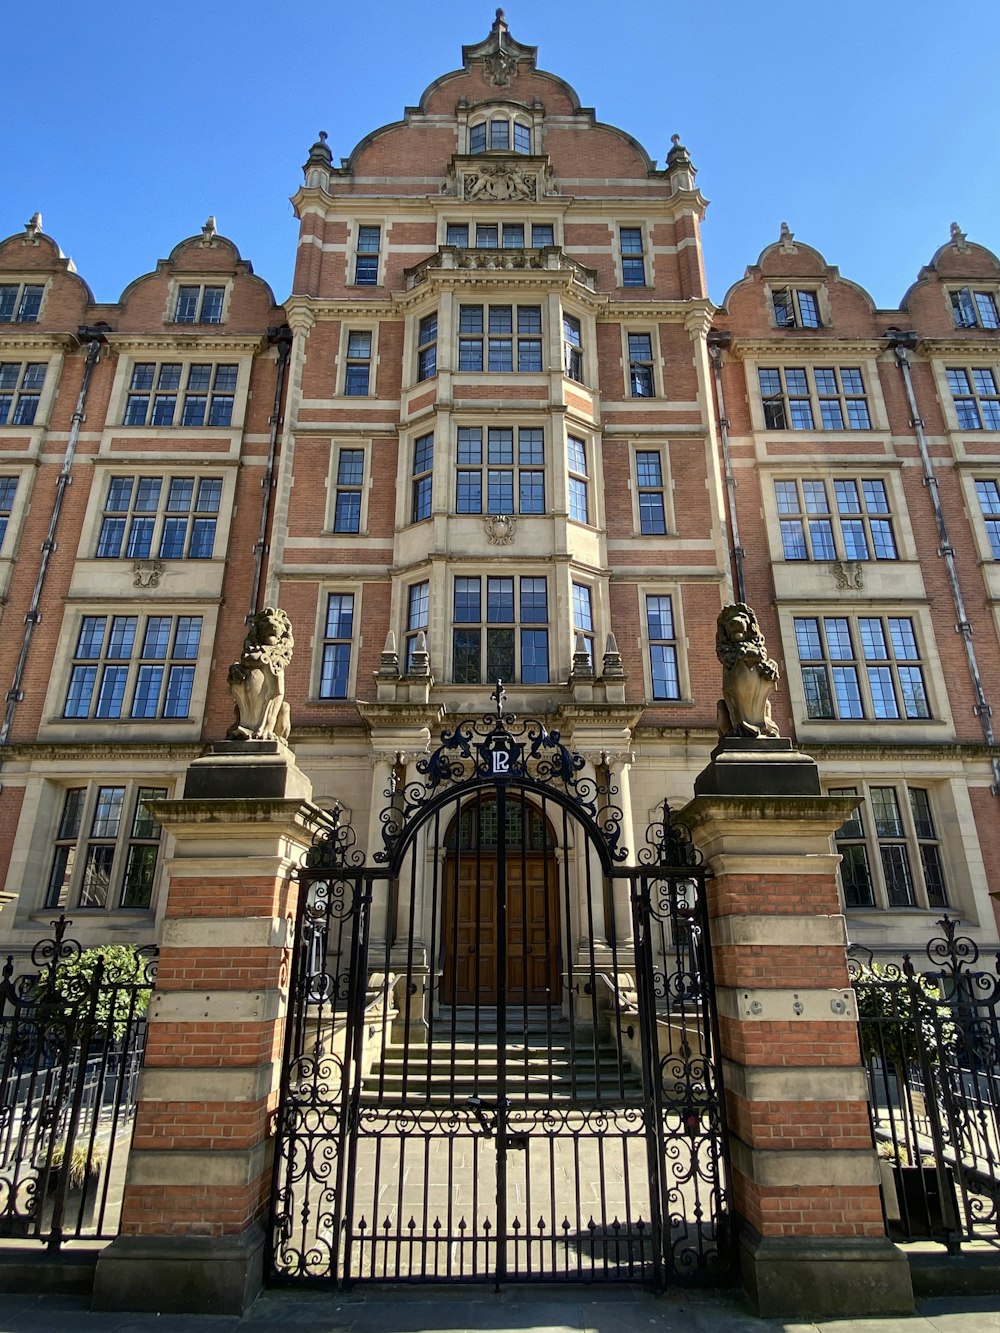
440, 1120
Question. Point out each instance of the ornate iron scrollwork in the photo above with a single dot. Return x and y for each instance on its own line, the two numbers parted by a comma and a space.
669, 843
498, 747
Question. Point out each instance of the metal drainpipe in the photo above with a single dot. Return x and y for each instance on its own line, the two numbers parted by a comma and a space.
95, 337
900, 343
717, 340
282, 339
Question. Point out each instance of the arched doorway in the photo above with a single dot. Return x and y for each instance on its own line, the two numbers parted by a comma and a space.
452, 1111
482, 863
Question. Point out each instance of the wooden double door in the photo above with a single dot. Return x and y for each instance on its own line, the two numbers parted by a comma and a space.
472, 962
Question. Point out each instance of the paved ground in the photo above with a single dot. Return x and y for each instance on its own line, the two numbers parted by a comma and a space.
459, 1310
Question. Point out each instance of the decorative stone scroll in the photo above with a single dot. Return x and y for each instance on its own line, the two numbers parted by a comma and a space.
499, 182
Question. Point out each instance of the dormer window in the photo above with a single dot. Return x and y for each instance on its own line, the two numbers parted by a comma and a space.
972, 309
500, 134
796, 308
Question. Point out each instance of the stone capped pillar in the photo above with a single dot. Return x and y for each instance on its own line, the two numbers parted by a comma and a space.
199, 1174
805, 1176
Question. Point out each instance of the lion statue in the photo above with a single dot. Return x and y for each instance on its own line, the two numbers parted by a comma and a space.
748, 674
257, 680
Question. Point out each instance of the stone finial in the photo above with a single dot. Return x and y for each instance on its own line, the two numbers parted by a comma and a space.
786, 239
582, 663
209, 231
748, 675
388, 663
420, 663
958, 239
33, 229
319, 153
257, 680
612, 659
678, 156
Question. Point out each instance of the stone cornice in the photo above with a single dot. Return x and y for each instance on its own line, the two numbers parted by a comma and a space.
391, 715
489, 281
896, 751
168, 341
976, 346
18, 338
537, 262
319, 307
666, 312
789, 349
599, 714
102, 750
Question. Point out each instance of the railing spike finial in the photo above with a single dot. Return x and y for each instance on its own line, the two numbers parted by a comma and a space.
499, 696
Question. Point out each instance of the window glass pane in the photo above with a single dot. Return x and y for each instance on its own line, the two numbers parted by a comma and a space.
140, 871
816, 687
848, 693
340, 615
499, 600
146, 697
582, 613
335, 670
107, 812
500, 654
534, 600
465, 655
467, 603
659, 618
663, 669
91, 637
180, 681
534, 656
419, 606
855, 876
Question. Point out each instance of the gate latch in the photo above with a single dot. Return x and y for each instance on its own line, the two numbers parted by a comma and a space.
482, 1110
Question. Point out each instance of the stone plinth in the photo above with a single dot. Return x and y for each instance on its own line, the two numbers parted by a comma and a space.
199, 1174
805, 1176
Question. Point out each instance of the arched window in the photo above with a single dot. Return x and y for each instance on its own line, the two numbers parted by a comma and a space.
500, 133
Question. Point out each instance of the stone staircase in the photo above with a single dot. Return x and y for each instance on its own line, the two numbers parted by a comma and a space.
545, 1060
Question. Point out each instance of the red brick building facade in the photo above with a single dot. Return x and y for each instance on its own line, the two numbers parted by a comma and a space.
498, 429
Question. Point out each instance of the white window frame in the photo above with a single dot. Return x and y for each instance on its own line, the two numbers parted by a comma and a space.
21, 281
197, 280
122, 841
793, 290
868, 836
679, 641
224, 356
337, 448
666, 490
965, 309
345, 360
355, 641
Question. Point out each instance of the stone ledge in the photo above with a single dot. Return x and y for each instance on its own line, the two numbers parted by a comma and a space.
803, 1277
181, 1274
795, 1167
793, 1083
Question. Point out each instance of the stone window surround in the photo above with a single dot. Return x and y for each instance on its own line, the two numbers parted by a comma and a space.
202, 280
939, 797
348, 325
940, 725
672, 590
218, 351
338, 588
178, 465
337, 445
55, 727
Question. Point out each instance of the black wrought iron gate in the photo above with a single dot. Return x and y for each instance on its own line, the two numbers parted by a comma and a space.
501, 1059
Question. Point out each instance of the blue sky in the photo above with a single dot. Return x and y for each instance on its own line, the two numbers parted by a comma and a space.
868, 127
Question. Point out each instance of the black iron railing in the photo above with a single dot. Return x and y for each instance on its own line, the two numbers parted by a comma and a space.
930, 1039
72, 1037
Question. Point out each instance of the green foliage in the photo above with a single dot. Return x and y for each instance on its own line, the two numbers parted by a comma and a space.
121, 997
903, 1019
